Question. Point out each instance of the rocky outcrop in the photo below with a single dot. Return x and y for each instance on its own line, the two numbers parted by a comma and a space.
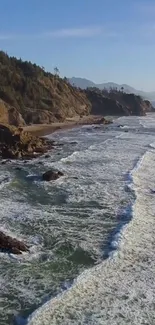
103, 105
51, 175
17, 144
10, 115
102, 120
148, 106
12, 245
116, 103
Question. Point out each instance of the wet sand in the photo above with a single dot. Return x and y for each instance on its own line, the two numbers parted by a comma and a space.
45, 129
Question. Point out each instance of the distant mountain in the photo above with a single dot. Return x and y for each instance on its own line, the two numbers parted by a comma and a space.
81, 82
85, 83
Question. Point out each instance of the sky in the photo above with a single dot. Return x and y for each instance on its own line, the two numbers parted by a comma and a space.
101, 40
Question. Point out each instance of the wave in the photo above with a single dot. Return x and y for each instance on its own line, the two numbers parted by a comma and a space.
124, 127
152, 145
114, 291
127, 213
4, 181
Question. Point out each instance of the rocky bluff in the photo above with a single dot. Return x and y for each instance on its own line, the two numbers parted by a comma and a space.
30, 95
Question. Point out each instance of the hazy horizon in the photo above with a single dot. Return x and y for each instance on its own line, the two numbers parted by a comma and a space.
111, 81
102, 41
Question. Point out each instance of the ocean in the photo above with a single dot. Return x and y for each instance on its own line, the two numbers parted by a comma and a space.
91, 233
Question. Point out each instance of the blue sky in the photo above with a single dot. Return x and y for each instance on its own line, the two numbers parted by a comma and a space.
102, 40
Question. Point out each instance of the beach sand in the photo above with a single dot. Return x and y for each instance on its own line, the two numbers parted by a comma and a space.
45, 129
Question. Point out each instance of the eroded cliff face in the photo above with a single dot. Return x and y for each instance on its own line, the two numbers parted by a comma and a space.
10, 115
117, 103
39, 96
29, 95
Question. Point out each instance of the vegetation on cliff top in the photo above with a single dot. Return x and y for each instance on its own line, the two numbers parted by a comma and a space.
40, 97
116, 102
29, 94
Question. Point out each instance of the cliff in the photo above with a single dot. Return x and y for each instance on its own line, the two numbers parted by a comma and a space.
30, 95
10, 115
39, 96
116, 103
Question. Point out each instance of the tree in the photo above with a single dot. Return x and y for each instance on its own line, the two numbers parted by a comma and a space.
55, 78
65, 79
56, 71
122, 88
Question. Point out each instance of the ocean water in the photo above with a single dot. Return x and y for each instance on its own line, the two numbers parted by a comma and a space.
91, 233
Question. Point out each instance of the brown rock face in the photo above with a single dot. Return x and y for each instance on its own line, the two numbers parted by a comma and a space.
34, 96
17, 144
148, 107
12, 245
51, 175
39, 96
10, 115
38, 116
116, 103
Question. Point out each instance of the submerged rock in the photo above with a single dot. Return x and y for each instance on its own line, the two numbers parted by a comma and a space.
102, 120
4, 162
12, 245
51, 175
18, 168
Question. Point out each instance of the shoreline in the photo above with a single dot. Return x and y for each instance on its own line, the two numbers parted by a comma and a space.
134, 254
46, 129
27, 142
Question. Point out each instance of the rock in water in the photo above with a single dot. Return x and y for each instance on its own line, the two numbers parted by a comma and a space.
51, 175
12, 245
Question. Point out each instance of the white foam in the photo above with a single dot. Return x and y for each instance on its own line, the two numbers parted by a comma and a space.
147, 121
121, 289
124, 127
79, 211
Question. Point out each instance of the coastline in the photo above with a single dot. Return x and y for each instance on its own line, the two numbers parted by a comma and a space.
27, 142
46, 129
118, 276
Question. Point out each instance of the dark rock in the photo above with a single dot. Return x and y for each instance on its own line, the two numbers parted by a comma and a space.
60, 144
18, 155
102, 121
29, 148
40, 150
12, 245
18, 168
60, 173
51, 175
8, 153
17, 144
4, 162
115, 102
47, 156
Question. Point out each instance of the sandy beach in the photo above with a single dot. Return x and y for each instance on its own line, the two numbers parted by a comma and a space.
45, 129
